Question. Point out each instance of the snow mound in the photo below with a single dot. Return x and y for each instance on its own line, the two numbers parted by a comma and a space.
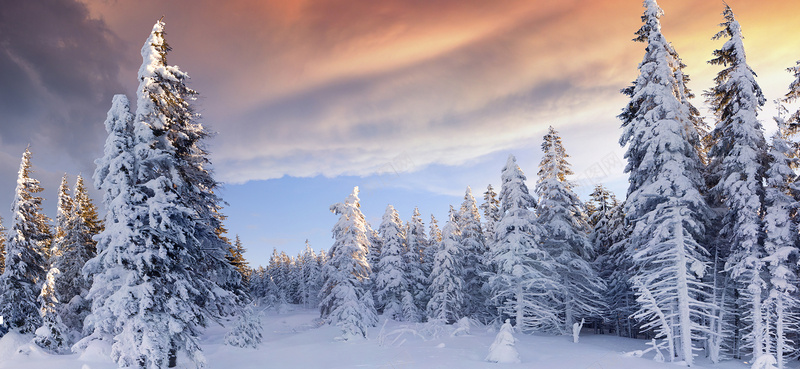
97, 351
11, 343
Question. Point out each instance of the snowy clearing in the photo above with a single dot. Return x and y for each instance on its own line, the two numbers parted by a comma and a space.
295, 340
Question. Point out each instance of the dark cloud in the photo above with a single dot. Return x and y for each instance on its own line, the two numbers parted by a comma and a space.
60, 69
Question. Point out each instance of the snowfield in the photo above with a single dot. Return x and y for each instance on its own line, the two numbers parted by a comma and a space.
295, 339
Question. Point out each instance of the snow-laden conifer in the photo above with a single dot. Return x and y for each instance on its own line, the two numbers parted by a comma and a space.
473, 245
446, 286
665, 204
565, 237
20, 283
115, 176
248, 331
491, 214
525, 285
346, 302
53, 334
502, 349
613, 263
75, 247
780, 246
413, 256
391, 280
737, 163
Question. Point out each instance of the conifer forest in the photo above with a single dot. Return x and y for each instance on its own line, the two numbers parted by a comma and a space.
698, 259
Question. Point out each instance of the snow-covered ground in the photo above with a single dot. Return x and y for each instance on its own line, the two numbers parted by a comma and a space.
295, 340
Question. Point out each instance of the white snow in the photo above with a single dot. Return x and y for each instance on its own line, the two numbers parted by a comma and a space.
296, 340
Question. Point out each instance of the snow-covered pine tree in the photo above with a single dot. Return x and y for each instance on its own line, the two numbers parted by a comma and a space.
155, 252
665, 204
165, 106
76, 247
613, 263
374, 253
737, 163
565, 237
491, 214
63, 214
416, 246
20, 283
446, 286
115, 176
345, 300
473, 246
525, 284
502, 349
248, 331
312, 277
236, 258
792, 123
780, 246
434, 241
391, 281
53, 334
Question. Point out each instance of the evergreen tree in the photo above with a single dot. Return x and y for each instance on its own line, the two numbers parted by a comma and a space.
167, 238
792, 124
115, 176
64, 212
75, 247
87, 212
565, 237
248, 331
780, 246
524, 285
413, 257
665, 204
311, 278
391, 281
345, 300
52, 335
737, 164
446, 286
473, 245
236, 258
491, 214
607, 236
434, 240
20, 283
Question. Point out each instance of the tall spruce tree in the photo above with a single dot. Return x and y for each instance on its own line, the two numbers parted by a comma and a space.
26, 251
161, 244
416, 246
565, 237
392, 281
70, 254
446, 282
236, 258
115, 176
665, 204
473, 245
491, 214
346, 301
780, 246
525, 284
737, 163
613, 263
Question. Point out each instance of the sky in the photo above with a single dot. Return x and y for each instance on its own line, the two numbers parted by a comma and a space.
411, 100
